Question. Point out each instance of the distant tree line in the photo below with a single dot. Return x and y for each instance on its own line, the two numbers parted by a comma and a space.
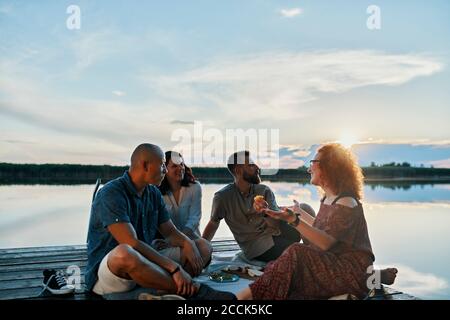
395, 164
73, 173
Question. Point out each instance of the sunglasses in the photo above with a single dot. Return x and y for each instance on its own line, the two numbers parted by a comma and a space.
313, 161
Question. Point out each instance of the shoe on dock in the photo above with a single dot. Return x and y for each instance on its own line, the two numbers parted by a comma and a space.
56, 282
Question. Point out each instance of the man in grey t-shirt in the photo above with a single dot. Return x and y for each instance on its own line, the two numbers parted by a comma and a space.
260, 237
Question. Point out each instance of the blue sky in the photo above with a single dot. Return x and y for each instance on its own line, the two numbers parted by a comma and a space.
139, 70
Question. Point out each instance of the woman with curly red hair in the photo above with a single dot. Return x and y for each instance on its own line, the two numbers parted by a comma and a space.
336, 254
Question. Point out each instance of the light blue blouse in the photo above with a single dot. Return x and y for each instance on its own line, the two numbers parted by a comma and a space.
188, 212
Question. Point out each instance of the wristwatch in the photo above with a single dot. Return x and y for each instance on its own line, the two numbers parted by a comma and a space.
296, 222
175, 271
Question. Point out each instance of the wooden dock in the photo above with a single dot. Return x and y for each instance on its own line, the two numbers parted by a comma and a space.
21, 271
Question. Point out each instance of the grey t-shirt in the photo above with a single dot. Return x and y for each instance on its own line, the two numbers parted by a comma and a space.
248, 227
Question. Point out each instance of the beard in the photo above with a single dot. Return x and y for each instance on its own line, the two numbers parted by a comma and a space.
252, 178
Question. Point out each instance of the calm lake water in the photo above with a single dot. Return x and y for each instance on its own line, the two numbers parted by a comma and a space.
409, 227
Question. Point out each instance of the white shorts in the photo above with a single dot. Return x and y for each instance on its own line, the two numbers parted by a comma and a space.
108, 282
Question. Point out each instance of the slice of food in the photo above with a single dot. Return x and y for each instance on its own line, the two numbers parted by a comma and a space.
254, 273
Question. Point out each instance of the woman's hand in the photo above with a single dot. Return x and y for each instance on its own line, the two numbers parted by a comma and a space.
296, 207
285, 214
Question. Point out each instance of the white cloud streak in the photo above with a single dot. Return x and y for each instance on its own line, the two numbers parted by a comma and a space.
118, 93
290, 13
243, 90
275, 84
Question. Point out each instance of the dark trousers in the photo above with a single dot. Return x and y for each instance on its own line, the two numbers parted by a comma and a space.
288, 236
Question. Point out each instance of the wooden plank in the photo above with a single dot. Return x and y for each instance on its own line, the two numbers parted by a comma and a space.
45, 249
41, 260
32, 293
69, 248
226, 249
25, 283
19, 275
9, 256
77, 296
33, 259
55, 251
42, 266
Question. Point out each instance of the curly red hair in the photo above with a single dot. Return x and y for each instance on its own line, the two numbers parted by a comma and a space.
340, 170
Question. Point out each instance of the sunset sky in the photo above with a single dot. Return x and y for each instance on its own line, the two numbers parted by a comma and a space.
136, 71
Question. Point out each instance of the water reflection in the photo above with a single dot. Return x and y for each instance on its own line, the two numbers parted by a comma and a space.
419, 283
409, 227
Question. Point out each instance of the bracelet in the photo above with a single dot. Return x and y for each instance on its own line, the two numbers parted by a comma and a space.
175, 271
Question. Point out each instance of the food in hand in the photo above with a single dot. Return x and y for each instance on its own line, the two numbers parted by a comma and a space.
258, 198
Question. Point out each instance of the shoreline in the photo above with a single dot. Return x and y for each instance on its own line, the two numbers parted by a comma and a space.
209, 180
11, 173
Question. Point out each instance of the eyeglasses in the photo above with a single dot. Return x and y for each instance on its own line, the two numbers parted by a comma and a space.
313, 161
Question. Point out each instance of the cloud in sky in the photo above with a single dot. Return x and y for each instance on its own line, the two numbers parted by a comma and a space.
259, 87
290, 13
118, 93
90, 47
5, 8
443, 163
429, 154
182, 122
276, 84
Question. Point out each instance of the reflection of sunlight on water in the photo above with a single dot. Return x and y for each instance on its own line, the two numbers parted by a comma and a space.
403, 205
422, 285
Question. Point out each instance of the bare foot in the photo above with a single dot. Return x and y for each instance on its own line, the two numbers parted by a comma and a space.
388, 275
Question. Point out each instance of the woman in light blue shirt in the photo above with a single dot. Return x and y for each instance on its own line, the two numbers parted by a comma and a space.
182, 195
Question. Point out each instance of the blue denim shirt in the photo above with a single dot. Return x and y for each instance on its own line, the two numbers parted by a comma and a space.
118, 201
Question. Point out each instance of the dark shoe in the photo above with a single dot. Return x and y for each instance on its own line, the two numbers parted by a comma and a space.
207, 293
56, 282
149, 296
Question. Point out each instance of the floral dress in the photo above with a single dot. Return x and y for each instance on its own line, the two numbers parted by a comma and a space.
304, 271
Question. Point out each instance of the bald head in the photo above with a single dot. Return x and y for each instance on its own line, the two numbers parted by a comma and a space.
146, 152
147, 165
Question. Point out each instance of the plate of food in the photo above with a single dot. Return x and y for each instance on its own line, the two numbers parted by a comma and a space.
220, 276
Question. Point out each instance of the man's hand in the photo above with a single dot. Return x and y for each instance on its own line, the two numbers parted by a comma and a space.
193, 257
260, 205
183, 281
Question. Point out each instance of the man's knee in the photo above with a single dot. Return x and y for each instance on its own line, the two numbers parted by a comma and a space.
205, 249
123, 257
306, 207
